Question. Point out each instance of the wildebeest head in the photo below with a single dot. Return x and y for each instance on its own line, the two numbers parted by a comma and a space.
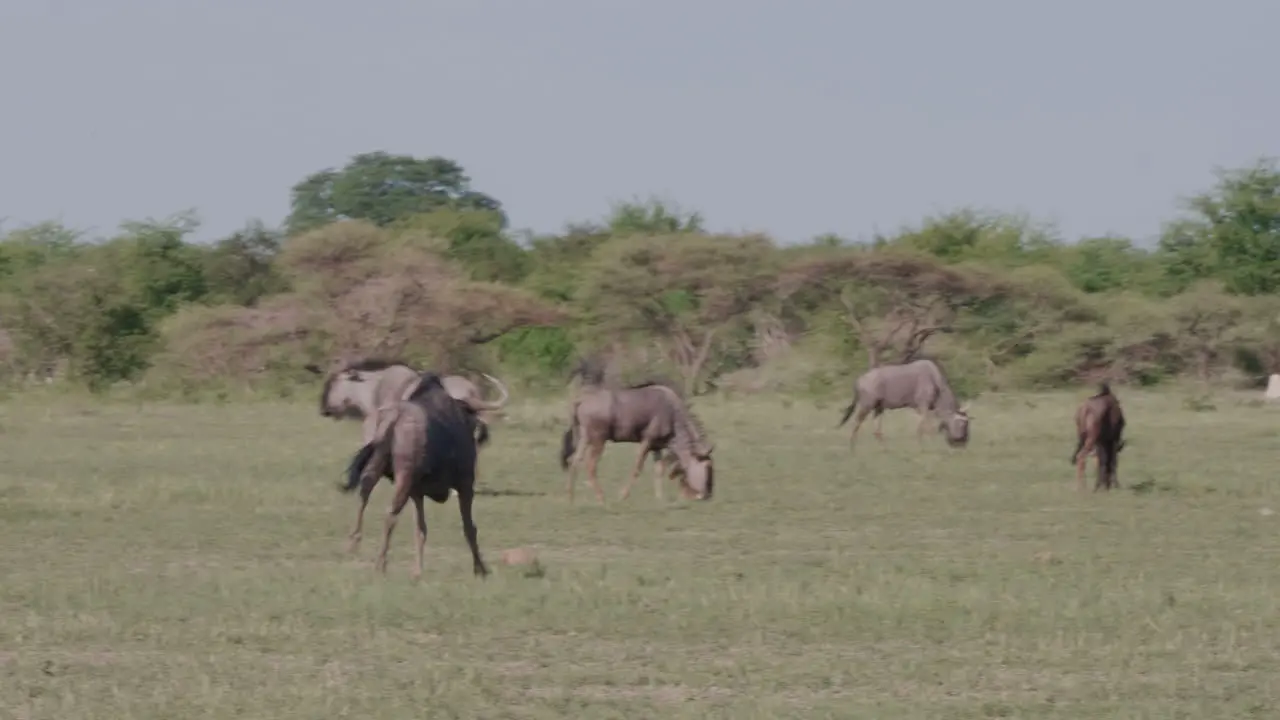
955, 427
346, 391
698, 475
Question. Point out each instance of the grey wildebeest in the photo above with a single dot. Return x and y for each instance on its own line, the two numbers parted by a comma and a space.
919, 384
426, 442
355, 388
651, 414
1099, 430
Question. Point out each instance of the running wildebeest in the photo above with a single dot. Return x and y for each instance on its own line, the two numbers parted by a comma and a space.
919, 384
1099, 427
650, 414
356, 388
426, 442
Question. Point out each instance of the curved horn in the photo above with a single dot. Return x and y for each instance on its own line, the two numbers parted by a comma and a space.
500, 402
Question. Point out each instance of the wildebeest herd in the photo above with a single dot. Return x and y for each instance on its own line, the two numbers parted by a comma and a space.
423, 432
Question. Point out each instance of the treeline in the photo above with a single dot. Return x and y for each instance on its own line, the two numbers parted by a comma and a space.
399, 256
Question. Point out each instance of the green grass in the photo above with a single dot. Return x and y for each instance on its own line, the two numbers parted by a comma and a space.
166, 561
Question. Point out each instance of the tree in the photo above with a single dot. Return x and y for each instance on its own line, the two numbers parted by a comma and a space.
684, 292
1208, 322
1234, 234
1104, 264
474, 238
383, 188
652, 218
893, 301
241, 269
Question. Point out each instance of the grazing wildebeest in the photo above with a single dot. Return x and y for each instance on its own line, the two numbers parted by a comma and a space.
426, 442
357, 387
919, 384
1099, 427
651, 414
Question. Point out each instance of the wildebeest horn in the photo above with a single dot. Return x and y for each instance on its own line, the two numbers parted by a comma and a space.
313, 368
497, 404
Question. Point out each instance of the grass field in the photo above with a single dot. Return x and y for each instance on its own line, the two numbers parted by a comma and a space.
167, 561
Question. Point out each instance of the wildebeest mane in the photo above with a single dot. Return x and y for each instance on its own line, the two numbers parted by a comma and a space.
686, 413
942, 370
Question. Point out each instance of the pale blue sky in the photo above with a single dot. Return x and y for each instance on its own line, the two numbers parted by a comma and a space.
794, 118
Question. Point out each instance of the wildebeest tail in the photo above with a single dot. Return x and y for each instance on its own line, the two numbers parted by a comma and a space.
356, 468
568, 443
1104, 389
848, 412
482, 432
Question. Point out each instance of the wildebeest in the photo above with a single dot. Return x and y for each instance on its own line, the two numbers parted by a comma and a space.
650, 414
1099, 430
357, 387
919, 384
426, 442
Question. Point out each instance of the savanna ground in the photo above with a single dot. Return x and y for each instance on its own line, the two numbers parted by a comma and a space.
167, 561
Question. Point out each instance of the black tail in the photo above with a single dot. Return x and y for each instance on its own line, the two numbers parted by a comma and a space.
356, 468
482, 432
567, 446
1104, 389
849, 410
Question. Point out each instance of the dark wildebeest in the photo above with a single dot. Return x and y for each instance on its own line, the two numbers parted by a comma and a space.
650, 414
356, 388
427, 443
1099, 427
919, 384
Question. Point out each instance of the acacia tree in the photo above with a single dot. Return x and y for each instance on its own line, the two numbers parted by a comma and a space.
683, 292
1207, 323
893, 301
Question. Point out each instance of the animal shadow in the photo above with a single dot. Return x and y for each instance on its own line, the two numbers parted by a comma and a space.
498, 492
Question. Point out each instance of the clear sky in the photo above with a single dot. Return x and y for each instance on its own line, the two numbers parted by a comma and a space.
794, 118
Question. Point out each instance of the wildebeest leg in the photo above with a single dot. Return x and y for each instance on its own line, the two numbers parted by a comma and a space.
659, 471
571, 474
924, 421
420, 534
858, 418
635, 472
1100, 452
593, 460
879, 425
367, 484
1082, 458
465, 497
404, 483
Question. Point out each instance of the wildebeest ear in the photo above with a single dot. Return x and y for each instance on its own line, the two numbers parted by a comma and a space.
352, 375
313, 368
707, 453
